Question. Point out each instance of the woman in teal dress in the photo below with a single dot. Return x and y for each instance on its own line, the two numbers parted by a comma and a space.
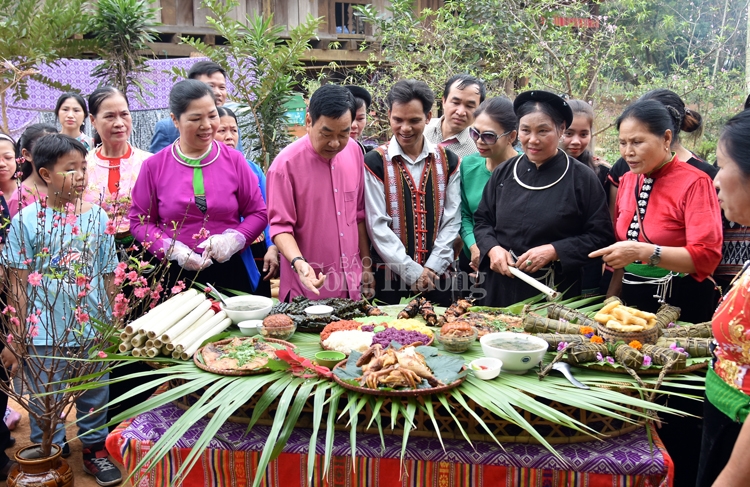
495, 130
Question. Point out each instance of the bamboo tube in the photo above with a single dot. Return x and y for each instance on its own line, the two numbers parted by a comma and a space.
157, 343
152, 352
187, 340
137, 352
206, 316
125, 336
558, 312
195, 346
124, 347
149, 343
138, 340
164, 308
168, 321
169, 346
165, 352
174, 331
176, 355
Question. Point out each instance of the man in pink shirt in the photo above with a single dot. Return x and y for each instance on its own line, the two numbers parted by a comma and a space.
316, 204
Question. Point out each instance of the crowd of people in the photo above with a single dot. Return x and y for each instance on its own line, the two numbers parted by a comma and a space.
445, 208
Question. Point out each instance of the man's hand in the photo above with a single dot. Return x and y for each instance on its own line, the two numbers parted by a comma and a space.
271, 263
426, 281
307, 276
534, 259
500, 260
368, 283
474, 250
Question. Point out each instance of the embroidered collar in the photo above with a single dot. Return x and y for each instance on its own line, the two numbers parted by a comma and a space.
394, 149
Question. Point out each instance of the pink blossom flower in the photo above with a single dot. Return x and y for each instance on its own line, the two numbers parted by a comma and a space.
81, 281
9, 309
27, 262
15, 321
561, 346
33, 331
71, 219
81, 316
82, 294
75, 231
646, 361
203, 233
9, 338
132, 276
611, 360
102, 354
110, 229
32, 318
599, 356
121, 306
35, 278
141, 292
178, 287
45, 250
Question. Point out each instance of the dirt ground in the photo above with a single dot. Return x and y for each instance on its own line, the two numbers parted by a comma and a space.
21, 434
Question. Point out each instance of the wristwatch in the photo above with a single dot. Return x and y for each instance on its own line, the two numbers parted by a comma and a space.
655, 257
295, 260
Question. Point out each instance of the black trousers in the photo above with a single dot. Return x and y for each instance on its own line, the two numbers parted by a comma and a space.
4, 431
720, 433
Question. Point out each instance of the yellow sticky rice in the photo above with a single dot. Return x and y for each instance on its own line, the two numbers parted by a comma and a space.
411, 325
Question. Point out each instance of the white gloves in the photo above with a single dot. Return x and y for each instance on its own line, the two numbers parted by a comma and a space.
222, 247
186, 258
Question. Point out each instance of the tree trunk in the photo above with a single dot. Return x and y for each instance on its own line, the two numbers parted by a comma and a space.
4, 108
721, 38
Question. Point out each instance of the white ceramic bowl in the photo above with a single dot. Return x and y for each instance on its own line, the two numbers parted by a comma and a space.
250, 327
319, 310
515, 361
263, 303
493, 367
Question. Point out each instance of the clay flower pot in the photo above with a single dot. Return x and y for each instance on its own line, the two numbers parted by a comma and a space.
38, 470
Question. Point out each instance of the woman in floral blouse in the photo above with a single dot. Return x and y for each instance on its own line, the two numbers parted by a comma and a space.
114, 164
725, 450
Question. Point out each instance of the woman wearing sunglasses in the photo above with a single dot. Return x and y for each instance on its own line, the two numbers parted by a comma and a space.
494, 131
540, 211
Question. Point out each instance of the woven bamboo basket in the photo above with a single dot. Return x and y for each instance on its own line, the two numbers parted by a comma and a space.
646, 336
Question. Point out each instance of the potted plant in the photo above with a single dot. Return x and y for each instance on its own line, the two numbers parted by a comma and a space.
66, 296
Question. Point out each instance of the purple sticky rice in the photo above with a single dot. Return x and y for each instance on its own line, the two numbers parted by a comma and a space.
403, 337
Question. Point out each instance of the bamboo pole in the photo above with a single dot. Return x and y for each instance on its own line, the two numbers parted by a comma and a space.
168, 321
174, 331
216, 329
203, 319
165, 307
187, 340
125, 346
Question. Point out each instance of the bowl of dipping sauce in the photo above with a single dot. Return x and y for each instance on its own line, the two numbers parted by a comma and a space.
486, 368
247, 307
518, 351
319, 310
329, 358
250, 327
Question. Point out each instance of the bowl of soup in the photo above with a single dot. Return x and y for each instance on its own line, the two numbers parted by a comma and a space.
518, 351
247, 307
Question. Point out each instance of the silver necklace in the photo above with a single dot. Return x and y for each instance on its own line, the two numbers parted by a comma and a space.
179, 155
540, 188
